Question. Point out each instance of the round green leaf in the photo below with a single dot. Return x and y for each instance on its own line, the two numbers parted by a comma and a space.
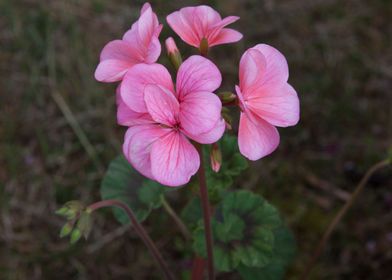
247, 232
281, 257
123, 183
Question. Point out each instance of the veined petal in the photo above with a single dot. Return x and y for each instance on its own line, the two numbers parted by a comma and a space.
277, 70
199, 112
134, 83
256, 139
161, 104
212, 135
218, 27
183, 28
146, 26
226, 36
128, 117
111, 70
278, 104
174, 160
197, 74
143, 35
137, 146
119, 50
153, 51
252, 71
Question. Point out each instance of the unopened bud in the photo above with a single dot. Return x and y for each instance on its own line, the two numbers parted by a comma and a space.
215, 157
84, 224
226, 116
227, 97
70, 210
203, 48
66, 229
173, 52
75, 236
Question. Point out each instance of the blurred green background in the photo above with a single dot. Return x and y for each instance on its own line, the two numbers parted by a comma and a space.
340, 59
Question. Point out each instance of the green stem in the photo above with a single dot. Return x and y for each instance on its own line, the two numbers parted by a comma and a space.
139, 230
206, 215
184, 230
340, 215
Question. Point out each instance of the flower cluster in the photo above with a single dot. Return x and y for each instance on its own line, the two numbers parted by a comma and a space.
166, 120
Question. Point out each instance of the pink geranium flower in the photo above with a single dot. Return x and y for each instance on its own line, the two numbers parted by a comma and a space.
266, 101
163, 119
140, 44
193, 24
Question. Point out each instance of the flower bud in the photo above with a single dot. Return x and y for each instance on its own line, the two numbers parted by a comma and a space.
85, 224
203, 48
226, 116
227, 97
173, 52
66, 229
215, 157
71, 209
75, 236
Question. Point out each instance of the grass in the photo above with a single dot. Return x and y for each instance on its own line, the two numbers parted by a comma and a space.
339, 56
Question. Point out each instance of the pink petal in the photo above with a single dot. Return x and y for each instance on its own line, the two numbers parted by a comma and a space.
174, 160
204, 19
199, 112
218, 27
226, 36
212, 135
183, 29
111, 70
128, 117
137, 146
133, 84
119, 50
252, 71
153, 51
207, 15
146, 26
277, 70
145, 7
143, 36
277, 104
197, 74
161, 104
256, 139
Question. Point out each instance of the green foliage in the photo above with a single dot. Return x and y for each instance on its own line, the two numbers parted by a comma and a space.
192, 213
283, 253
232, 165
122, 182
249, 236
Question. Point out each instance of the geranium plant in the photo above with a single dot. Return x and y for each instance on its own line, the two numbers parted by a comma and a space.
179, 126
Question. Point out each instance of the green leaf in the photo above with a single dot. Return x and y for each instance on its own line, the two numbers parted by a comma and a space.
283, 253
151, 193
248, 232
123, 183
192, 213
231, 229
233, 163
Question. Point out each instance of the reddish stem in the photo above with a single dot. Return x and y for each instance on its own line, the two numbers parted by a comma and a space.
139, 230
206, 216
198, 267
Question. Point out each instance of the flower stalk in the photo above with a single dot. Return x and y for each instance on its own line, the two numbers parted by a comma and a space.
139, 230
206, 215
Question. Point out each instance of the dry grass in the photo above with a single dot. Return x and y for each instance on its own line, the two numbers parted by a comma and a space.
340, 61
